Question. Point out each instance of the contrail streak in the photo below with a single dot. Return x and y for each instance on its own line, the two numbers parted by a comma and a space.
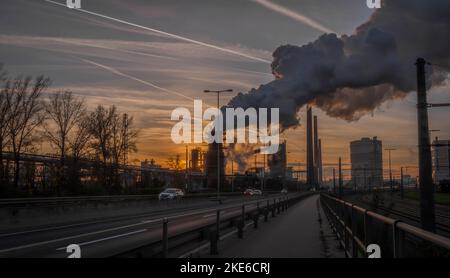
226, 50
115, 71
294, 15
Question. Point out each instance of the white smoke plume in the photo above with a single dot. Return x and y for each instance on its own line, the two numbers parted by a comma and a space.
239, 154
352, 75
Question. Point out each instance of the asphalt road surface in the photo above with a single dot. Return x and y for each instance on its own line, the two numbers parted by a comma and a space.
114, 235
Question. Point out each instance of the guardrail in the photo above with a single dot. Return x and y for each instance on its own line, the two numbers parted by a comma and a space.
357, 228
110, 198
187, 242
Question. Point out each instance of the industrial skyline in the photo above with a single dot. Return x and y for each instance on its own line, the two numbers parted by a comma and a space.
91, 51
224, 129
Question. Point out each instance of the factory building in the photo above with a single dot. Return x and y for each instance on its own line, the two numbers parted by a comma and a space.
211, 166
367, 162
196, 160
441, 160
278, 162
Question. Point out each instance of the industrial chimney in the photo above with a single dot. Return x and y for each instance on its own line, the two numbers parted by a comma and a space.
211, 167
310, 180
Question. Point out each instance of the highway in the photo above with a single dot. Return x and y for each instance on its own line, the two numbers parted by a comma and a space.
113, 236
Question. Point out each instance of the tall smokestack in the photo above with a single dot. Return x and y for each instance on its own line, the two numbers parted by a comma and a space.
310, 180
316, 153
320, 162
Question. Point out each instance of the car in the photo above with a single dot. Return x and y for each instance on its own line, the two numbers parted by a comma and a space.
248, 192
257, 192
252, 192
171, 194
284, 191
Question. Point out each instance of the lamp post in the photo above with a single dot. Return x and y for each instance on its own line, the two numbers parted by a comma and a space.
218, 92
187, 171
341, 190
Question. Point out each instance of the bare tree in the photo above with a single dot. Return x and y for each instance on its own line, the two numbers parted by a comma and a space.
78, 144
123, 138
79, 141
123, 142
113, 137
100, 128
26, 115
63, 112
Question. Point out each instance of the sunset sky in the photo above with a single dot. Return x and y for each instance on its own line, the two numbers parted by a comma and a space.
148, 74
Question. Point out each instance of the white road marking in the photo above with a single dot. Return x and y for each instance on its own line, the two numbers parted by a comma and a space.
151, 221
67, 238
213, 214
106, 238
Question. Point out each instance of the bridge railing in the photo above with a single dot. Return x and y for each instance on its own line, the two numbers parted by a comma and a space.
358, 228
196, 238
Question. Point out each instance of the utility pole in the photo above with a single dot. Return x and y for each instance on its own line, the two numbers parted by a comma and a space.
218, 92
427, 213
232, 175
436, 154
340, 179
264, 171
334, 181
365, 178
401, 183
390, 169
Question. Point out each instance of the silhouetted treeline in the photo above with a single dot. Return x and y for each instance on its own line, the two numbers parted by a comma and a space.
88, 147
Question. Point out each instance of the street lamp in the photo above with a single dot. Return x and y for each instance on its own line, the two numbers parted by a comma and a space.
218, 92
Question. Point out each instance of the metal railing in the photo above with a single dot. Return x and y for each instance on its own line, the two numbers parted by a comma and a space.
9, 202
185, 243
357, 228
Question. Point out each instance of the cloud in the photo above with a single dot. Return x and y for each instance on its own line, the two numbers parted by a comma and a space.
351, 76
171, 35
294, 15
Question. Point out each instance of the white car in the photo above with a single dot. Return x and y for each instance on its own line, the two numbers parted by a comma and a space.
171, 194
257, 192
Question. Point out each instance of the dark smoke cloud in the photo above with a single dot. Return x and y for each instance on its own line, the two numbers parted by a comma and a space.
350, 76
337, 104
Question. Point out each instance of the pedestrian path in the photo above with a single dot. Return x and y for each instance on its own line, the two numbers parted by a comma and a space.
300, 232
